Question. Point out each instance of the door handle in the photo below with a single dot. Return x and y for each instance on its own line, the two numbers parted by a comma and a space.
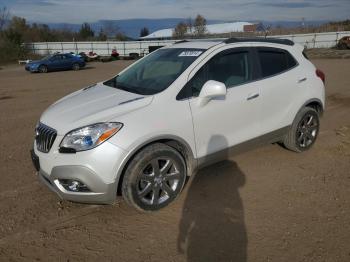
253, 96
302, 80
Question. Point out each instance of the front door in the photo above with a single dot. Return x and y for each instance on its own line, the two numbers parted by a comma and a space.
56, 62
67, 62
233, 119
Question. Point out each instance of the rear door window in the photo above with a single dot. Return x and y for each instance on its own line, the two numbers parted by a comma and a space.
274, 61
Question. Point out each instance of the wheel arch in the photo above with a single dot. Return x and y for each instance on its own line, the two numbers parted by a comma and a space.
316, 104
175, 142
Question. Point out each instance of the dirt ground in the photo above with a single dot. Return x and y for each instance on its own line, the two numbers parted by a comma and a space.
322, 53
269, 204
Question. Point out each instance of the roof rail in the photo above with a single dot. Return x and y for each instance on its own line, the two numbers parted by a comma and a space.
258, 39
219, 40
181, 41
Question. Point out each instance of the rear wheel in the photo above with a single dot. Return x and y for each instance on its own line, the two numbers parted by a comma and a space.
304, 130
42, 69
76, 67
154, 178
342, 46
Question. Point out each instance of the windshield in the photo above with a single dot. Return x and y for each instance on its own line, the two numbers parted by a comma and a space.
156, 71
47, 57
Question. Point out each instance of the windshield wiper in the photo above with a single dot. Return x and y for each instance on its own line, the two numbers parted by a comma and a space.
125, 88
114, 83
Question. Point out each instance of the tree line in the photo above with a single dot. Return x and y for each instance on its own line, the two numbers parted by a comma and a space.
14, 31
189, 28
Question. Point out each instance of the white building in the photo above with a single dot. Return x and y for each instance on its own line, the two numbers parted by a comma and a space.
211, 29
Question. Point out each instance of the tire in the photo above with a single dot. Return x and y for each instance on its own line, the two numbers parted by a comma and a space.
304, 130
154, 177
343, 46
76, 67
42, 69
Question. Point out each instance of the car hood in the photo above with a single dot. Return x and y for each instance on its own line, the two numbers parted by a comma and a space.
94, 104
35, 62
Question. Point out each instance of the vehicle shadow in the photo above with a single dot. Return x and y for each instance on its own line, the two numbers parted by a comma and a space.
212, 226
87, 67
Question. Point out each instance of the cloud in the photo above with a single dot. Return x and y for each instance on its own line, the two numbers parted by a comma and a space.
31, 2
78, 11
290, 4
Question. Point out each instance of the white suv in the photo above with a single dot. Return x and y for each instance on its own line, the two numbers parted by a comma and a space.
181, 107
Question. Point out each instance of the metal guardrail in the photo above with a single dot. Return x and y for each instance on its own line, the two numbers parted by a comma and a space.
316, 40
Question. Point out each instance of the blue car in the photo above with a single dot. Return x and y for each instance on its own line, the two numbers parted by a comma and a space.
55, 62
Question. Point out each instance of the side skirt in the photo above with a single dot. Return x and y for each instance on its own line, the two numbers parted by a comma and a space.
269, 138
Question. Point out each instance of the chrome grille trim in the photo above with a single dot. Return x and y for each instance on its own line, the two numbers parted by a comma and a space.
45, 137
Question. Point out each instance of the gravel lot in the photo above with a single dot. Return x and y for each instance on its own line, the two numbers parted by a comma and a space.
265, 205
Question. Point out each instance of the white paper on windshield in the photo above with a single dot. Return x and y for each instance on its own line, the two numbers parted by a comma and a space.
190, 53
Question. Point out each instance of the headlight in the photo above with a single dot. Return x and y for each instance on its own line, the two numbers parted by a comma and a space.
88, 137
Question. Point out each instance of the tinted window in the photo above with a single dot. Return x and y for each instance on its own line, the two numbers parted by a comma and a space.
197, 82
305, 55
232, 69
67, 56
54, 58
274, 61
57, 57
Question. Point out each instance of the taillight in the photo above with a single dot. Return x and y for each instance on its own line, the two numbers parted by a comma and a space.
321, 75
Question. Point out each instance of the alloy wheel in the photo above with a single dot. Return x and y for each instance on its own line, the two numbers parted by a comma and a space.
307, 130
158, 181
76, 67
42, 69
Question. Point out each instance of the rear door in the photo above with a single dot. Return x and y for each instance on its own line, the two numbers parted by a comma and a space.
230, 120
279, 82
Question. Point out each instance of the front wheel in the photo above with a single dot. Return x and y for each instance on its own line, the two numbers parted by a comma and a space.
42, 69
154, 178
304, 130
76, 67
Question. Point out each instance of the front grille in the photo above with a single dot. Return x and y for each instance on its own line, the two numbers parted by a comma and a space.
45, 136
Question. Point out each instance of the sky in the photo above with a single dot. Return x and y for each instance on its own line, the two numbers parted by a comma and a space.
78, 11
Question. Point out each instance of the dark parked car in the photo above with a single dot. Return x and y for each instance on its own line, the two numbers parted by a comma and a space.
56, 62
344, 43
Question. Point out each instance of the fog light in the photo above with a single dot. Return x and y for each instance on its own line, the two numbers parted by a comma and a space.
74, 185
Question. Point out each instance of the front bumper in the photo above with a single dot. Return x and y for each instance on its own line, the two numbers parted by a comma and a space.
31, 69
97, 169
101, 193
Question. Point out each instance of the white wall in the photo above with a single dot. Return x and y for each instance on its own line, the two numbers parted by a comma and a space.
318, 40
101, 48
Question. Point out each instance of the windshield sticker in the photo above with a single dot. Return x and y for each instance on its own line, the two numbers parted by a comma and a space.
190, 53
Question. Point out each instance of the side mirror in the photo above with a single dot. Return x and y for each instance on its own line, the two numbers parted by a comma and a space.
211, 89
